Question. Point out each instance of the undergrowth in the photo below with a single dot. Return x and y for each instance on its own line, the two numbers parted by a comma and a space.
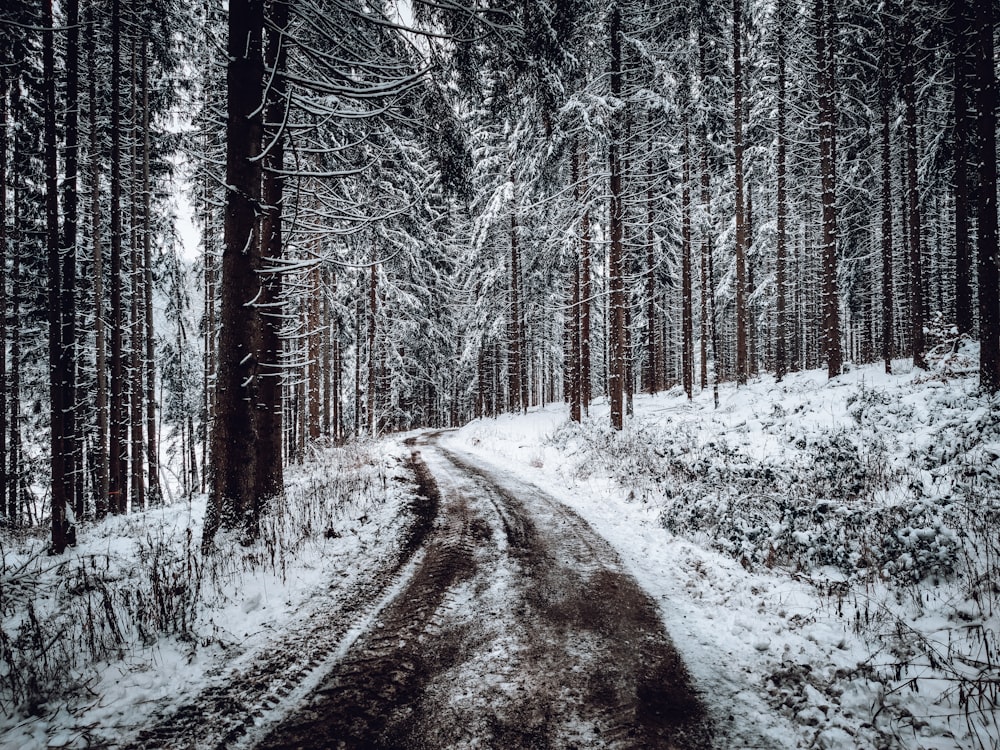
135, 579
878, 522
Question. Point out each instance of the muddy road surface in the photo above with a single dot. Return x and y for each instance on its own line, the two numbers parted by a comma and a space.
517, 628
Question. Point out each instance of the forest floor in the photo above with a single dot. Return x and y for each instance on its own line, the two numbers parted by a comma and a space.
811, 564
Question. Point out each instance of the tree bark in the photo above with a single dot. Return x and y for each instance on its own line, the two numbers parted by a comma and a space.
233, 501
781, 263
616, 267
687, 302
989, 294
917, 343
888, 297
828, 177
118, 433
152, 450
739, 197
963, 40
515, 367
58, 378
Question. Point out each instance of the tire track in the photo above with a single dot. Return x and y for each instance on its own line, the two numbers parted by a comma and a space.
232, 712
519, 628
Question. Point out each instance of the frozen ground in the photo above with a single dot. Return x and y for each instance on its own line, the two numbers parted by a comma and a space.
824, 556
830, 579
133, 623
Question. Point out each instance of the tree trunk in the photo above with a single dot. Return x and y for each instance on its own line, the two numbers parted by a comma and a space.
888, 297
741, 227
118, 437
828, 176
781, 270
964, 66
585, 288
233, 501
989, 304
269, 479
152, 451
136, 346
4, 300
652, 372
687, 301
917, 344
616, 266
515, 368
372, 359
61, 481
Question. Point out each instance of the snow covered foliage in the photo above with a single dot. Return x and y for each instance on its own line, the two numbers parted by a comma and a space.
135, 613
826, 552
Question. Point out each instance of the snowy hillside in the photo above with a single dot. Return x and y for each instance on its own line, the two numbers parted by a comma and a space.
825, 554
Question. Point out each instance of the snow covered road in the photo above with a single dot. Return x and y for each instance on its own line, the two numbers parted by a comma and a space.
518, 628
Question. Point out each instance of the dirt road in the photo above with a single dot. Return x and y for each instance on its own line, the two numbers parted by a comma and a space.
518, 628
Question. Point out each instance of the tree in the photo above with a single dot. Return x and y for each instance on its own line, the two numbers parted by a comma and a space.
989, 276
825, 57
234, 503
917, 321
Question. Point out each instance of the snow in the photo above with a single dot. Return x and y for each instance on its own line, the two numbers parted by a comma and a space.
823, 554
243, 600
806, 650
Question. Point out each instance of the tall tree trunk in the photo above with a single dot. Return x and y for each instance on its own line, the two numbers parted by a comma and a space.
917, 343
152, 450
515, 368
136, 346
687, 302
4, 299
616, 265
964, 66
585, 288
118, 436
989, 294
573, 315
270, 475
888, 297
825, 57
741, 227
233, 501
72, 442
314, 339
652, 371
372, 358
781, 263
61, 483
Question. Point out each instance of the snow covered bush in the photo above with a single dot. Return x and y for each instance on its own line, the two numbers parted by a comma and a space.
133, 580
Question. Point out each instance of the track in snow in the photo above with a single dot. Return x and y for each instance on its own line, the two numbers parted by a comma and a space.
518, 628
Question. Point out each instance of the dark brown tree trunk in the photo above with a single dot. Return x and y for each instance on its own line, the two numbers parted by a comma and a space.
707, 289
573, 314
136, 346
888, 297
652, 371
515, 367
314, 344
4, 300
917, 343
62, 486
989, 294
825, 56
234, 502
781, 263
72, 442
741, 227
687, 302
616, 264
270, 474
372, 358
152, 450
963, 41
99, 448
118, 436
585, 289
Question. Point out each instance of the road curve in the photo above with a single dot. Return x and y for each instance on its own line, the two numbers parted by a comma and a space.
519, 629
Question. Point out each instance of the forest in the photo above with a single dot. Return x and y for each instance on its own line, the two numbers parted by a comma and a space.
415, 215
